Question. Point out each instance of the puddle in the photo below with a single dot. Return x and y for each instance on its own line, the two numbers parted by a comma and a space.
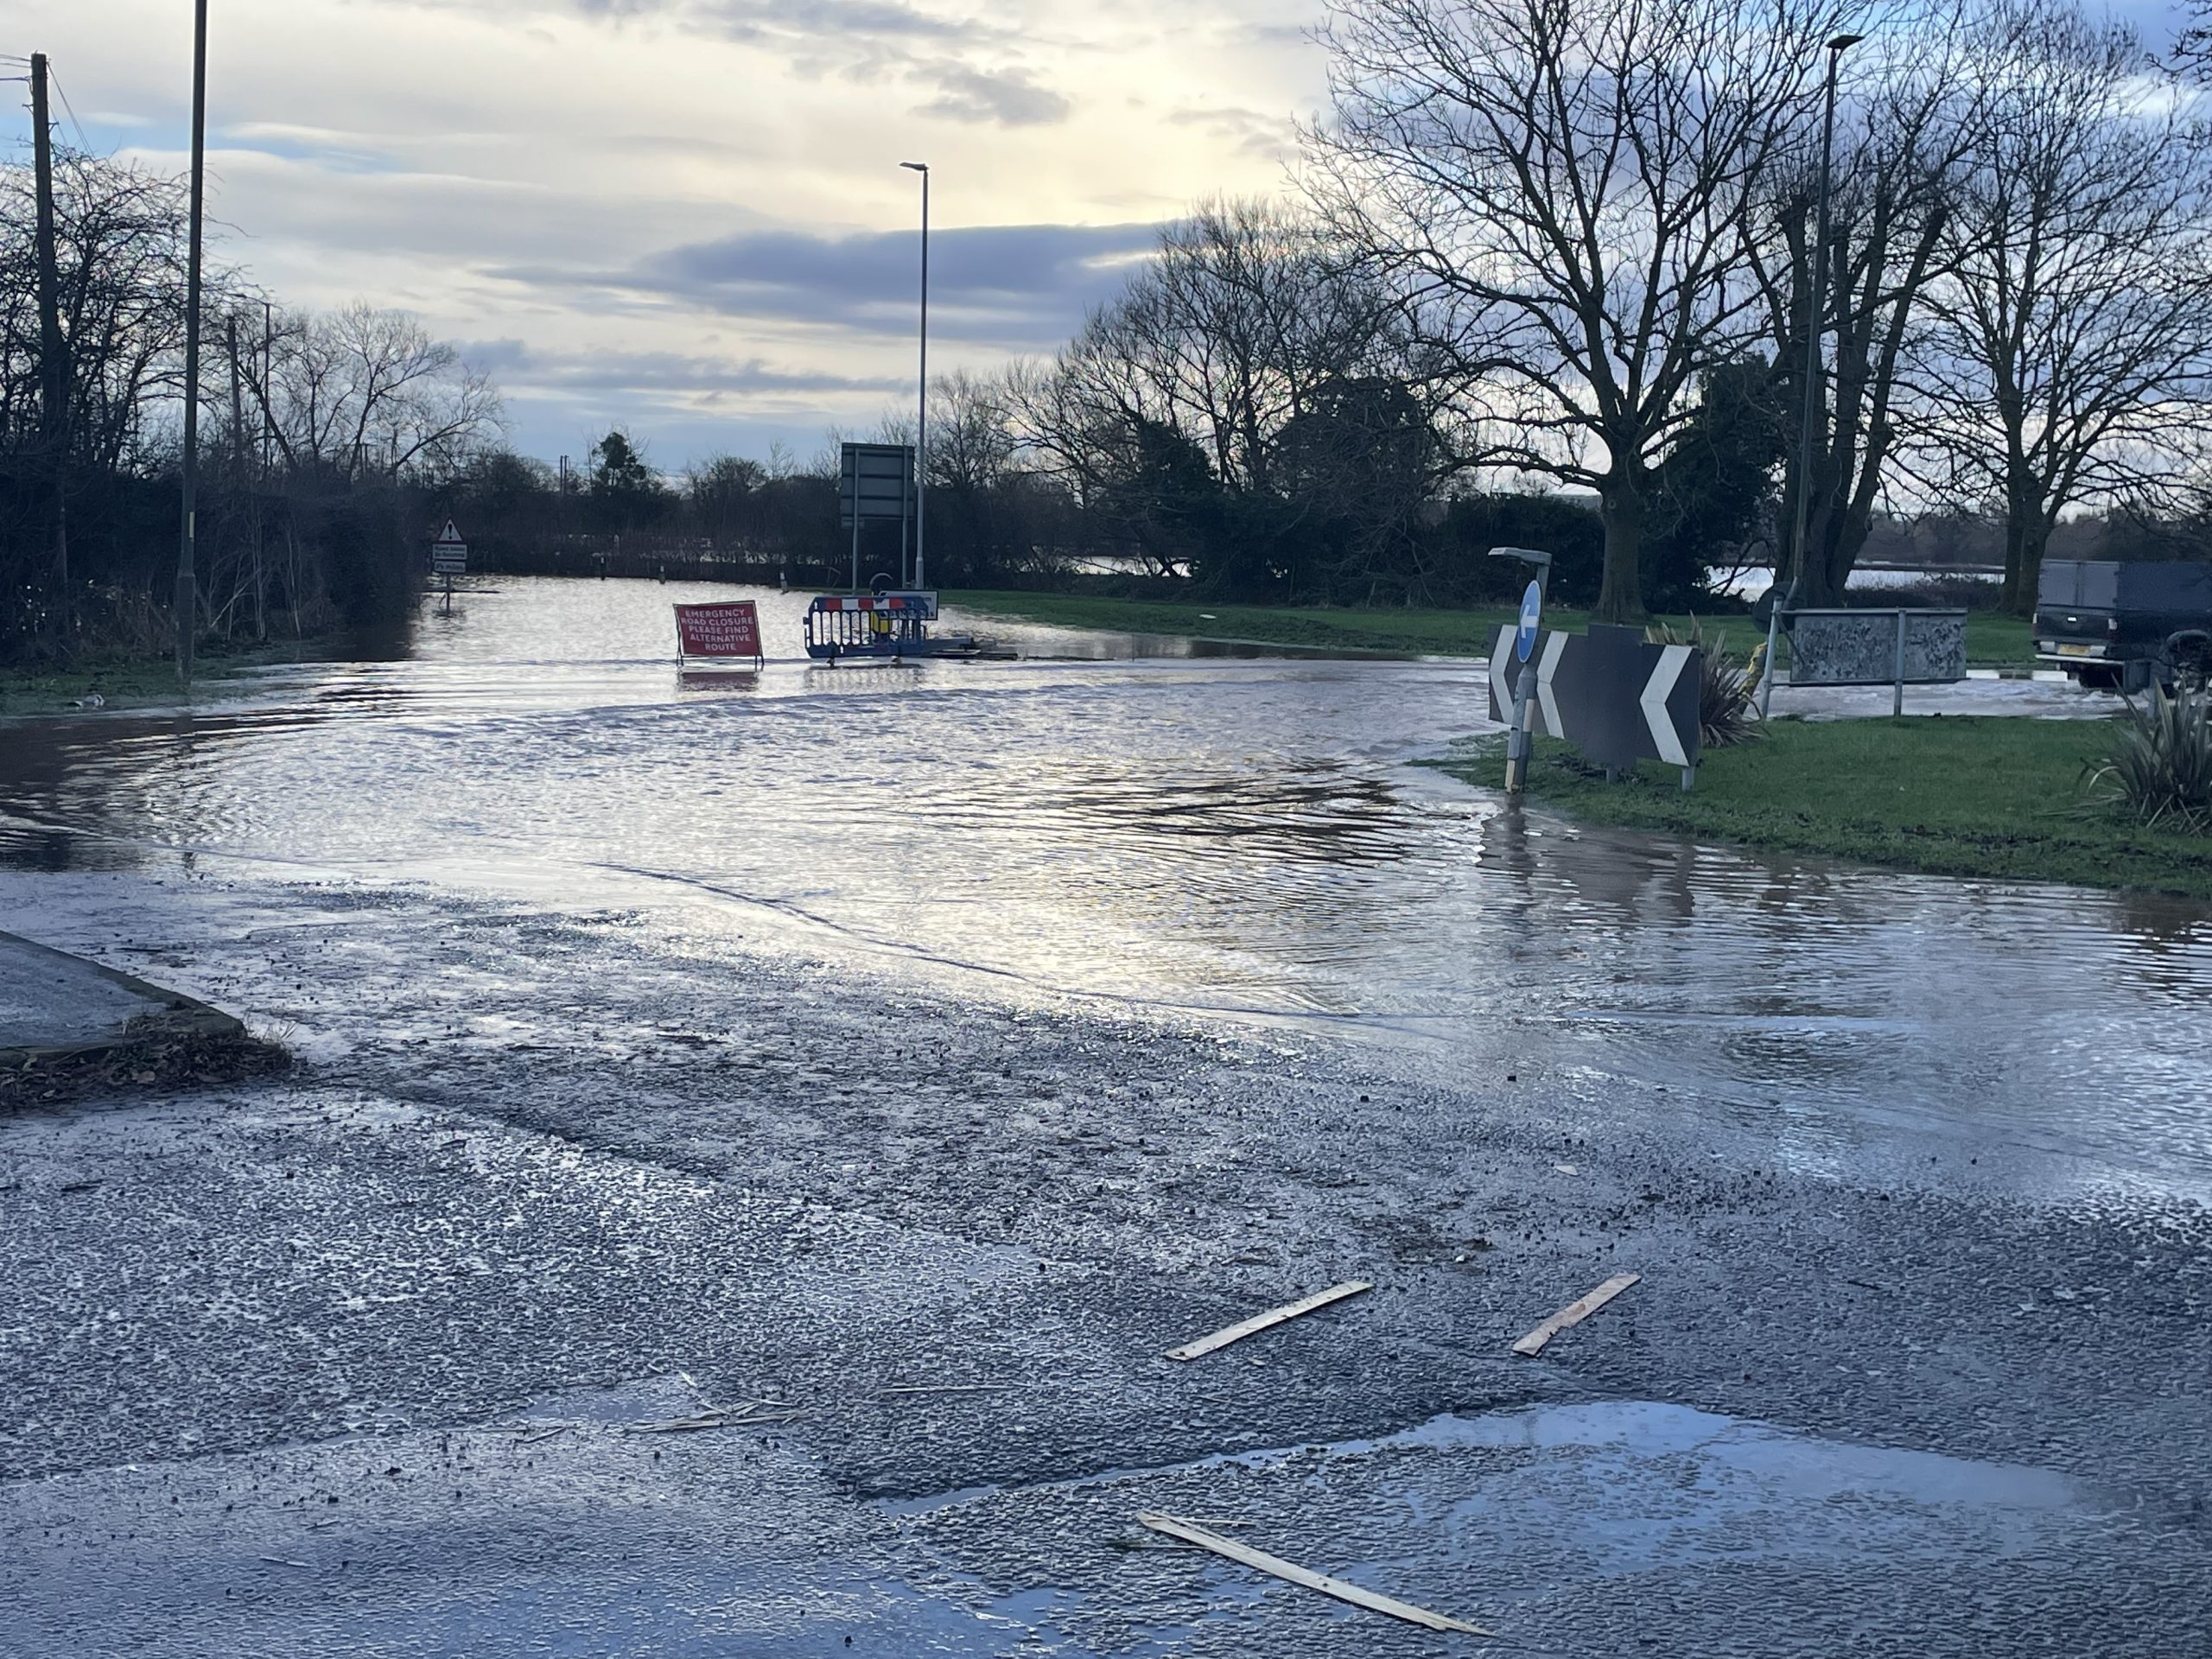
1644, 1453
1560, 1524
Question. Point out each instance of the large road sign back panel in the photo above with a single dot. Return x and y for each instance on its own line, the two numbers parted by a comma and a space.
875, 482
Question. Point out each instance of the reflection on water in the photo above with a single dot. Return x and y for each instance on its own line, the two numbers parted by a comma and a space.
1228, 835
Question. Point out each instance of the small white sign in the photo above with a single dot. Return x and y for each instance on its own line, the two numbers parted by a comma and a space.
449, 554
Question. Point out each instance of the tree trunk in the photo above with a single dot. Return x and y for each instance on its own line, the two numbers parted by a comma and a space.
1841, 555
2023, 551
1838, 537
1620, 597
2027, 532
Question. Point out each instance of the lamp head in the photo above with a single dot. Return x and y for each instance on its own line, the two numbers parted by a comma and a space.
1843, 41
1526, 555
915, 167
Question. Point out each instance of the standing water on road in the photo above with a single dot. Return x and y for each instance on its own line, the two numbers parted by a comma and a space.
1156, 831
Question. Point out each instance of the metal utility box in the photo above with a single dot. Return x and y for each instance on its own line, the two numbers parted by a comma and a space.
1868, 647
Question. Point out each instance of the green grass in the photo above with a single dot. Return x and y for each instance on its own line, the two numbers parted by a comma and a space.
1466, 634
1991, 640
1994, 639
132, 682
1997, 798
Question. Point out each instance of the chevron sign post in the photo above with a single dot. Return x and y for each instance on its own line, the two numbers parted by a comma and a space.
1612, 694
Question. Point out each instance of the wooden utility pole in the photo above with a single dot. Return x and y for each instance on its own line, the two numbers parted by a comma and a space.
54, 366
187, 587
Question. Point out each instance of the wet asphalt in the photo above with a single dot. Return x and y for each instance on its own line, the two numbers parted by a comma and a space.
352, 1363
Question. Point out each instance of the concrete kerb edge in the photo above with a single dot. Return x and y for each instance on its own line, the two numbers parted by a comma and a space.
185, 1015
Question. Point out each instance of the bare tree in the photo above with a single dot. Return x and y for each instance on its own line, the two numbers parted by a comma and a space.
1904, 142
1566, 187
972, 444
361, 392
1167, 413
724, 496
119, 232
2074, 324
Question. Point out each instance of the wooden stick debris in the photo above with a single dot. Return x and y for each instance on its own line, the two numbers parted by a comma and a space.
1267, 1320
715, 1417
950, 1387
1575, 1313
1290, 1572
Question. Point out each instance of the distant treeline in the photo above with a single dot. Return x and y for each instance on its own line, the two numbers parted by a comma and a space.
1004, 523
735, 519
323, 436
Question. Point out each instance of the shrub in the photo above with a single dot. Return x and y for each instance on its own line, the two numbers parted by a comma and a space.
2159, 767
1725, 689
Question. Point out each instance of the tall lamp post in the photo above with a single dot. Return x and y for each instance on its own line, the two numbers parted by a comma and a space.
188, 587
1815, 299
922, 399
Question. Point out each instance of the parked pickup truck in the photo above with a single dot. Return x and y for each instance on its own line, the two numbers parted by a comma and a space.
2126, 626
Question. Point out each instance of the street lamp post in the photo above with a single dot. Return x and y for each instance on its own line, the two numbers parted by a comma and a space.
922, 397
1815, 296
188, 586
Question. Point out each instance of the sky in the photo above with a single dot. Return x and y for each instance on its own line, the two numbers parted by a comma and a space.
688, 216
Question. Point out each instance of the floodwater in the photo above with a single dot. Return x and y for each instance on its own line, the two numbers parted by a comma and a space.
1148, 830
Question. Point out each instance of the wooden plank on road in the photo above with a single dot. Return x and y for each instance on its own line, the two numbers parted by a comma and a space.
1290, 1573
1273, 1316
1574, 1314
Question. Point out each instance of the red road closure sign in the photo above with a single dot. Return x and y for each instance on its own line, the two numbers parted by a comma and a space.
729, 629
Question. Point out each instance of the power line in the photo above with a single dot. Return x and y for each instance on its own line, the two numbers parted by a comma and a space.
83, 139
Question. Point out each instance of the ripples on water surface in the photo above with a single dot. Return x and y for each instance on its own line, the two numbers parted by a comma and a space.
1231, 835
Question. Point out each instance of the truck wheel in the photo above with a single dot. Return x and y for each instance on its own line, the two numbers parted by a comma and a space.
2187, 663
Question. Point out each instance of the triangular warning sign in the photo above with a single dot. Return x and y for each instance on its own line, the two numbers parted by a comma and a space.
449, 534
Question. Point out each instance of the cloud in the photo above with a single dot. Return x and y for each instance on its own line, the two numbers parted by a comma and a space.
1015, 287
1009, 98
856, 40
692, 404
824, 36
1249, 130
760, 19
691, 380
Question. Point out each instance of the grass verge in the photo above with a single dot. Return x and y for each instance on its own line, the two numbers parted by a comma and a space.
1998, 797
156, 1055
133, 682
1991, 640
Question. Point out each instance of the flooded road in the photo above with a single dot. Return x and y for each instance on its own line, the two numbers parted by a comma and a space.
755, 1143
1172, 834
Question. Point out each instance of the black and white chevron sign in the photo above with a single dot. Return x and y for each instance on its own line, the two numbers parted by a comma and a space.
1612, 694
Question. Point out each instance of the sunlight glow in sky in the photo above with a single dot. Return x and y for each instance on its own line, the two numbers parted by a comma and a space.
688, 215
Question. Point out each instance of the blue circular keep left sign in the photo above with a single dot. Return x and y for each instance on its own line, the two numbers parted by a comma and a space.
1532, 613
